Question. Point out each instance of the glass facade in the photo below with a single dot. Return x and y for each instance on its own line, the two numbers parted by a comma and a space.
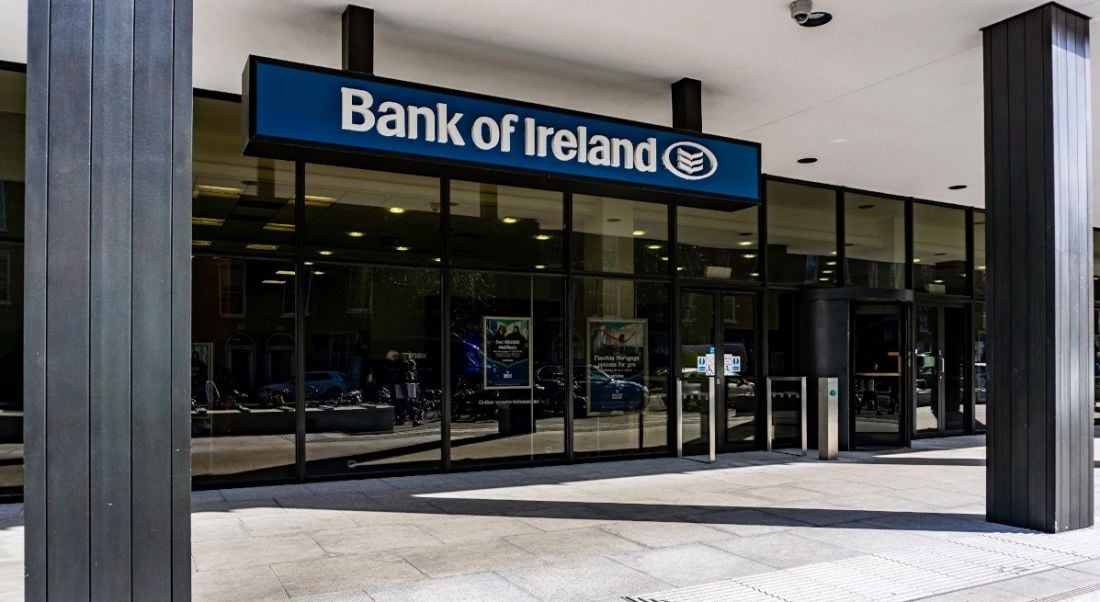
801, 234
939, 249
874, 241
12, 127
442, 322
720, 245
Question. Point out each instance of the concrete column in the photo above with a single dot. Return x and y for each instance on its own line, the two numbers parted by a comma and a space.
108, 302
1038, 218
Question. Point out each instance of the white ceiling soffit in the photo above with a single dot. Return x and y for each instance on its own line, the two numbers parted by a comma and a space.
888, 96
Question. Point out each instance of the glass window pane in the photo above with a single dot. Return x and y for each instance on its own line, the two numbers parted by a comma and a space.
372, 368
242, 369
354, 214
981, 375
801, 234
718, 244
505, 226
874, 228
239, 204
12, 128
507, 344
616, 235
621, 351
979, 253
939, 249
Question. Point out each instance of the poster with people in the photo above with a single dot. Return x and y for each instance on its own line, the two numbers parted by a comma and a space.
507, 363
616, 364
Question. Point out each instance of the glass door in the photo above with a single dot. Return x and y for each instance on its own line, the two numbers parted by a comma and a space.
878, 395
718, 369
940, 369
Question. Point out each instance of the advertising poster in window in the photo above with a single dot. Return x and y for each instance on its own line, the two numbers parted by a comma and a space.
507, 363
616, 364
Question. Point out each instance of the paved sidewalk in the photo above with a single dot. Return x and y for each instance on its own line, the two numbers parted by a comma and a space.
759, 525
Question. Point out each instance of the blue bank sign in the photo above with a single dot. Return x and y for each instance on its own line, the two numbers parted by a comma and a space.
303, 107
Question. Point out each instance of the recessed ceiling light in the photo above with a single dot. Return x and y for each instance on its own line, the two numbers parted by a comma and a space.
273, 282
540, 267
749, 256
824, 279
226, 192
261, 247
402, 248
745, 243
826, 271
664, 259
509, 220
679, 268
201, 243
207, 221
957, 187
355, 234
316, 200
307, 263
937, 281
981, 268
638, 233
832, 253
807, 160
284, 272
318, 273
916, 260
396, 209
279, 227
653, 247
542, 237
830, 262
754, 275
325, 253
437, 259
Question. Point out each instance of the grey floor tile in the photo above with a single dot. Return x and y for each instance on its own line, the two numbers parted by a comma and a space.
240, 552
445, 561
364, 540
783, 550
663, 534
557, 545
481, 587
591, 578
253, 583
466, 529
691, 564
1049, 583
342, 574
296, 521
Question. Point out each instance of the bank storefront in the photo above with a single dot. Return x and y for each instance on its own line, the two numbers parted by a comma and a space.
371, 298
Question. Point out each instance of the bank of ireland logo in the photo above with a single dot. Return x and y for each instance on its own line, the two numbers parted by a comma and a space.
690, 161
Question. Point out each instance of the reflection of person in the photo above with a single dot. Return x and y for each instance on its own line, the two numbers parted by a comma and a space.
870, 390
396, 378
199, 375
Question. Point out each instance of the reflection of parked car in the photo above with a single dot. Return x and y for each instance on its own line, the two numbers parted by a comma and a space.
325, 383
550, 388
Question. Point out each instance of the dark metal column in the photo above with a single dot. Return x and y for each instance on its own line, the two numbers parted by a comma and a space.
358, 39
687, 104
1037, 134
108, 319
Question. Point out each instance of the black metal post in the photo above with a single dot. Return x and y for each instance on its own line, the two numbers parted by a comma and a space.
1039, 471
